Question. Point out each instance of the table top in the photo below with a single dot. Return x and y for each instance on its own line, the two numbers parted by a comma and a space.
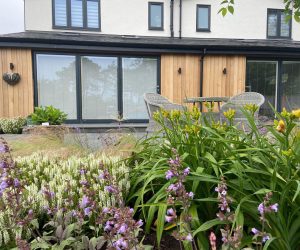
206, 99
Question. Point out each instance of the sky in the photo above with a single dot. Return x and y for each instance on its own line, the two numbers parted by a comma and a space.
11, 16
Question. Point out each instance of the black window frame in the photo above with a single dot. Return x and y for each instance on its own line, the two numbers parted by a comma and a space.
198, 6
278, 26
161, 28
78, 56
68, 15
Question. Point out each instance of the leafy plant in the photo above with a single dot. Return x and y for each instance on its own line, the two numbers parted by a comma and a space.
48, 114
12, 125
253, 163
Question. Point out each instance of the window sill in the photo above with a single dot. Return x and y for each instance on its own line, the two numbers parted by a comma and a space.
156, 29
76, 29
203, 30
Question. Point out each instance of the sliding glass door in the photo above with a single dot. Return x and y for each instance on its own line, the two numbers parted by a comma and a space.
278, 81
99, 81
96, 88
139, 77
290, 97
56, 82
261, 77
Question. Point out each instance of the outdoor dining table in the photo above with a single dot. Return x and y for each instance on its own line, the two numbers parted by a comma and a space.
210, 100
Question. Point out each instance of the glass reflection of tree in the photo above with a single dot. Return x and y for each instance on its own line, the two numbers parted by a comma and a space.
57, 84
139, 77
99, 87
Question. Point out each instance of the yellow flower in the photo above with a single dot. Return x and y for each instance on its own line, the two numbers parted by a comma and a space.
165, 113
229, 114
195, 113
175, 114
296, 113
252, 108
280, 126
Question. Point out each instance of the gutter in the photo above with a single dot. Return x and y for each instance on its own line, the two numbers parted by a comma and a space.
180, 19
172, 18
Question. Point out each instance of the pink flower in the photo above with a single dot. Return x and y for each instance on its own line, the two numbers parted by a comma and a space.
189, 237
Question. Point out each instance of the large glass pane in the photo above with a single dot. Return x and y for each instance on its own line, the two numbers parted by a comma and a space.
261, 77
99, 87
291, 85
272, 23
56, 80
60, 8
139, 77
285, 26
93, 14
76, 13
203, 18
156, 16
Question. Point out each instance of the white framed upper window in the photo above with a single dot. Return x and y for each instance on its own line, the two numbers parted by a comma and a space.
76, 14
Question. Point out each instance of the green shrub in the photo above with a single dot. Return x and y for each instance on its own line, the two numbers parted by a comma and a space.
253, 163
12, 125
48, 114
60, 179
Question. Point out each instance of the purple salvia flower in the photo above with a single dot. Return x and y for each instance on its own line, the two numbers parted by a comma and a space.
169, 174
82, 171
261, 208
84, 182
131, 210
3, 164
274, 207
122, 229
4, 148
3, 185
110, 189
105, 210
191, 195
186, 171
169, 219
139, 223
85, 201
87, 211
265, 238
16, 182
255, 231
189, 237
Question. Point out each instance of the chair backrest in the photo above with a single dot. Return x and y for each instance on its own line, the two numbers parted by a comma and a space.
238, 101
154, 102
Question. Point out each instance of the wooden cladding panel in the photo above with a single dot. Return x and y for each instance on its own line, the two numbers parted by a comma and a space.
177, 86
216, 83
16, 100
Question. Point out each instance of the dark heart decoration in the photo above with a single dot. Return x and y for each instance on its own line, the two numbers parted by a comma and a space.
11, 79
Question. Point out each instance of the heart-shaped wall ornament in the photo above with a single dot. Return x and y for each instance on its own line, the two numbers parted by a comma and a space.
11, 79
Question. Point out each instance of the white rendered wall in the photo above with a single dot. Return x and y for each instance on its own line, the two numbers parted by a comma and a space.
130, 17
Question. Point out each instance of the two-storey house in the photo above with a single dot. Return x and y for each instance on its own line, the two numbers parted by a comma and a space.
94, 59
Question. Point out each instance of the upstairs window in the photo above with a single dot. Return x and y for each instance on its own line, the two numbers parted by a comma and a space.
76, 14
203, 18
156, 16
278, 26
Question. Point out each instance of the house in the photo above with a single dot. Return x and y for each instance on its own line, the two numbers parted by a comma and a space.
94, 59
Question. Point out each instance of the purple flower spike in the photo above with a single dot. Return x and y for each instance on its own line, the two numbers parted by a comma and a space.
274, 207
169, 174
171, 212
105, 210
82, 171
3, 164
191, 195
169, 219
139, 223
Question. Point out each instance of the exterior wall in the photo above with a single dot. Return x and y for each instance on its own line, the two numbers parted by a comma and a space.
176, 86
216, 83
16, 100
131, 18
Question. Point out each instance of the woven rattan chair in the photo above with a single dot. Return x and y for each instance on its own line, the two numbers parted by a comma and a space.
237, 102
154, 102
